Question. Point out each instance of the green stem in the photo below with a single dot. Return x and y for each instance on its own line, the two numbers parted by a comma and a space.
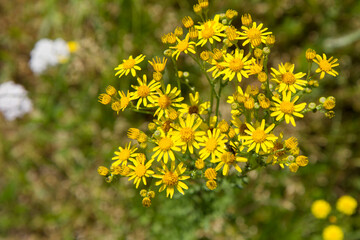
268, 92
309, 71
218, 98
177, 75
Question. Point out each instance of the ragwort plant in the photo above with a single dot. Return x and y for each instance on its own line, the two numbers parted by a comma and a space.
189, 142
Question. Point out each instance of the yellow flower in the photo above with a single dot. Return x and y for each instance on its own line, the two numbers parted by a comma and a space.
171, 179
231, 33
199, 164
326, 65
133, 133
146, 202
332, 232
125, 154
236, 65
165, 101
216, 69
124, 100
227, 159
212, 143
158, 64
195, 106
187, 21
210, 31
346, 204
259, 137
140, 170
287, 80
144, 92
129, 65
230, 14
246, 19
210, 174
183, 46
254, 35
211, 184
187, 131
104, 98
73, 46
320, 209
310, 54
167, 143
103, 171
286, 107
110, 90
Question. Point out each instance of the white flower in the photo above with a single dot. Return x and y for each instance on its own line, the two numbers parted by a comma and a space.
47, 53
14, 102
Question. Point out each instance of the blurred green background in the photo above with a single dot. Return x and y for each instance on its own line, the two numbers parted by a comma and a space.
49, 187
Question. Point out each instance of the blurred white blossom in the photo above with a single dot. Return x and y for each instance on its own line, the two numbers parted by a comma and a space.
14, 102
47, 53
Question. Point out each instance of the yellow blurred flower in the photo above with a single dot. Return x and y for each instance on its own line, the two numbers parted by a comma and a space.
320, 209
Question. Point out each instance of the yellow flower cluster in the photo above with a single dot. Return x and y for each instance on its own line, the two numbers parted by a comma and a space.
188, 137
321, 209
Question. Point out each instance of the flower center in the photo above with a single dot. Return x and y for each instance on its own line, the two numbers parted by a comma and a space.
236, 64
187, 134
253, 34
183, 45
165, 143
211, 144
128, 64
288, 78
124, 154
124, 102
164, 102
170, 179
193, 109
207, 32
287, 107
140, 170
259, 135
325, 65
228, 158
143, 91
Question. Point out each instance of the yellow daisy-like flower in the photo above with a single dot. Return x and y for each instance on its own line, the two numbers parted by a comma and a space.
254, 35
140, 170
286, 107
332, 232
227, 159
326, 65
171, 179
165, 101
183, 46
259, 137
144, 92
236, 64
187, 131
167, 143
158, 64
129, 65
213, 143
346, 204
320, 209
125, 154
210, 31
287, 80
195, 105
124, 100
216, 69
